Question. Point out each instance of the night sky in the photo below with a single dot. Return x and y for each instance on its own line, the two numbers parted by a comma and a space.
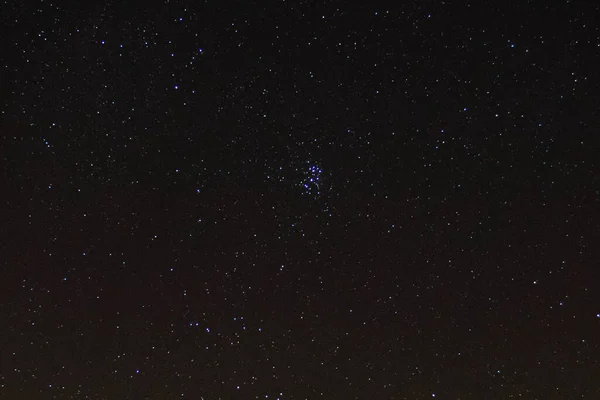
300, 200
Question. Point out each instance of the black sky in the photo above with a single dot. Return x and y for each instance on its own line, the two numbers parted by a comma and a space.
299, 200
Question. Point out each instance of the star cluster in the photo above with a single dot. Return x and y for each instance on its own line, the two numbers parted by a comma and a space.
311, 183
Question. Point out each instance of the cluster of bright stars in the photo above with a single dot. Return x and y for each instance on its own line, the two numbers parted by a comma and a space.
312, 180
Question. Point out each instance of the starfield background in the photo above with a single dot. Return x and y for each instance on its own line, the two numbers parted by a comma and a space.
300, 200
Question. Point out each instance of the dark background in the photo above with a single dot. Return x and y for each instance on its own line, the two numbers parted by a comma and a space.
161, 238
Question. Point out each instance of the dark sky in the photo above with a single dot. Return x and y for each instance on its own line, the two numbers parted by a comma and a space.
300, 200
